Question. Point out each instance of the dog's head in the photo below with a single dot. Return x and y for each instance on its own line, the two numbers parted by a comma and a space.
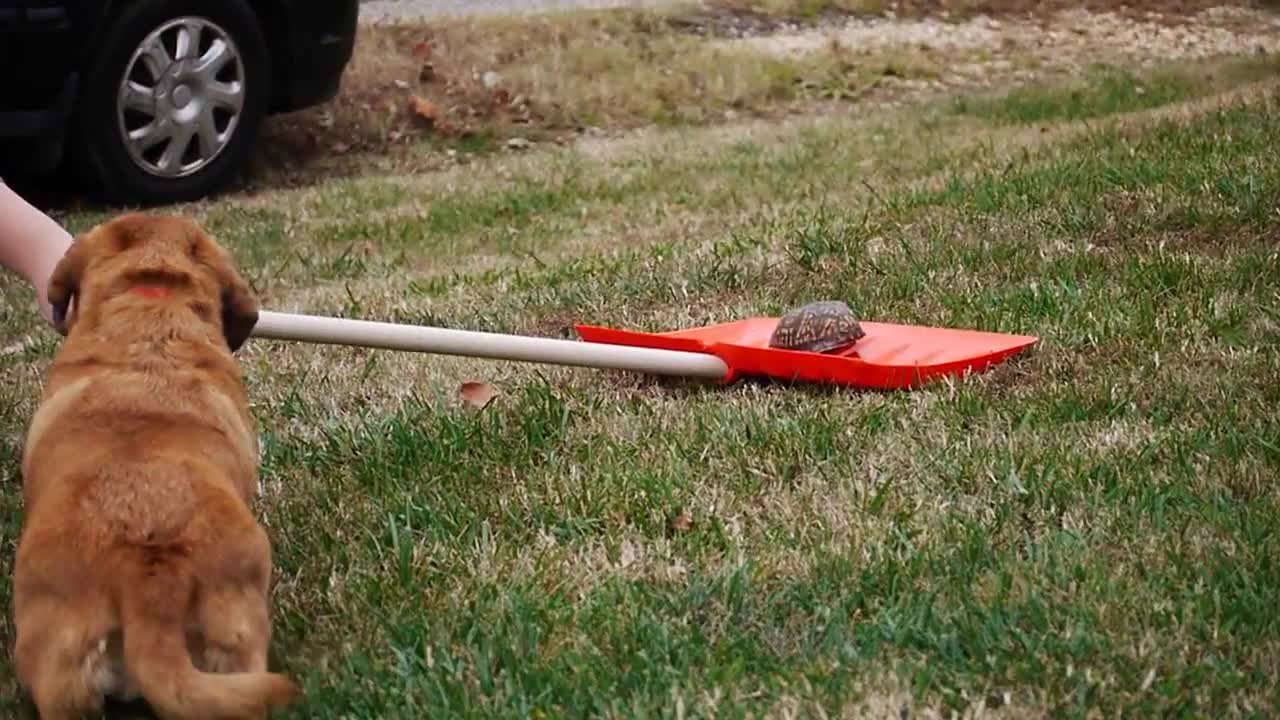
161, 258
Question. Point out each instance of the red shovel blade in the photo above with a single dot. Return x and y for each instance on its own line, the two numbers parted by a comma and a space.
889, 356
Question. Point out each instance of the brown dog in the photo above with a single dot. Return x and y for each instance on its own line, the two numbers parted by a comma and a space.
140, 570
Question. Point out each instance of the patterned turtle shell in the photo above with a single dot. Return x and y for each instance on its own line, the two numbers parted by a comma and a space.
817, 327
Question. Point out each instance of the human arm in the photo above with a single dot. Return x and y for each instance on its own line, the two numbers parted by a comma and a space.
31, 244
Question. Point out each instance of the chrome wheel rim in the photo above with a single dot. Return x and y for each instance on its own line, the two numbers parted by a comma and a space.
180, 99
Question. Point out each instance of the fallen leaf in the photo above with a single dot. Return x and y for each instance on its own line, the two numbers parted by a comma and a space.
477, 394
682, 522
422, 109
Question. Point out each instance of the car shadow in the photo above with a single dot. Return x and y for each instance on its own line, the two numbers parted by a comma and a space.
289, 155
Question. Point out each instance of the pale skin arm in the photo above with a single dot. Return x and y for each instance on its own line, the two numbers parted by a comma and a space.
31, 244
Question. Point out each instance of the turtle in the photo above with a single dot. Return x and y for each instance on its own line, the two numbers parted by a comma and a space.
820, 327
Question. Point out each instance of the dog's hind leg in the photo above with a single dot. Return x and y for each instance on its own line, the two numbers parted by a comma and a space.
236, 627
236, 630
232, 608
59, 663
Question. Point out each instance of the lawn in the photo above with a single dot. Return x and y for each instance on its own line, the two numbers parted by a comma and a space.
1090, 529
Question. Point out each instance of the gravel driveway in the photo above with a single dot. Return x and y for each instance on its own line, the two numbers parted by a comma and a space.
386, 9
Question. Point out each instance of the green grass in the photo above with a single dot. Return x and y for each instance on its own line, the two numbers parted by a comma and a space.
1106, 90
1089, 529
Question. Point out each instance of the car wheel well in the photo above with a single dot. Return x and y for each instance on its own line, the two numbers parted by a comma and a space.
275, 27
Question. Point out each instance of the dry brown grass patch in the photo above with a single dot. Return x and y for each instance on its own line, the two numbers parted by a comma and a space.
1168, 10
472, 84
551, 74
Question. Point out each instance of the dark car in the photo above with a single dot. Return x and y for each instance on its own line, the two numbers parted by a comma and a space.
161, 100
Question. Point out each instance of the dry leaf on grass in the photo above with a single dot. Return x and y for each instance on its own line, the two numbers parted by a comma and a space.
477, 394
424, 110
682, 522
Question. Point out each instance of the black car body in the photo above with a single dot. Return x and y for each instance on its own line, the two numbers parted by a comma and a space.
65, 69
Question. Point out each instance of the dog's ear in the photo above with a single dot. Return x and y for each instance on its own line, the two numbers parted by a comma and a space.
239, 304
64, 282
239, 310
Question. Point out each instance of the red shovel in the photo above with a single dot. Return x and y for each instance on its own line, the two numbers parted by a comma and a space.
888, 357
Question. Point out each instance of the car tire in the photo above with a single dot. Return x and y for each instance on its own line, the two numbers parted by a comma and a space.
183, 92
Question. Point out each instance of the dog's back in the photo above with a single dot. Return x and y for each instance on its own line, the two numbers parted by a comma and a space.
140, 570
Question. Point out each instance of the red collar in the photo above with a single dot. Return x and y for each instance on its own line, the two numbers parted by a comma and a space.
151, 291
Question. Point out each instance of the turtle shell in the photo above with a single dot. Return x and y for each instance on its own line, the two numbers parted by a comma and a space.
817, 327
